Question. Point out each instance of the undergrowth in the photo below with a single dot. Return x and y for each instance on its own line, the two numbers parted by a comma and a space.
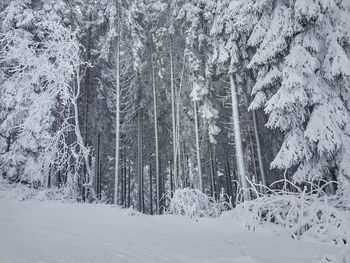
306, 211
192, 203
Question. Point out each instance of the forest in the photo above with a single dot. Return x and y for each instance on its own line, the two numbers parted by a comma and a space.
238, 109
127, 101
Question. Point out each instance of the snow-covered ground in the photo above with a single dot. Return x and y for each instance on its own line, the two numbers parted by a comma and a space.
48, 232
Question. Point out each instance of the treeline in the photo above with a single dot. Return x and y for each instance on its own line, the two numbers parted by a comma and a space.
129, 100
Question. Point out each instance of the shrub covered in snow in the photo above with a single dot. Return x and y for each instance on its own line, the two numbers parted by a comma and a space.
192, 203
305, 212
20, 192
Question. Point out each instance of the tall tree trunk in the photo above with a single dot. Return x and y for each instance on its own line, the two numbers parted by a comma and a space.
238, 140
198, 154
86, 97
229, 181
122, 196
161, 189
129, 187
252, 149
212, 171
150, 190
180, 171
124, 180
173, 113
117, 113
140, 160
186, 169
155, 115
258, 149
7, 149
171, 180
100, 170
98, 167
80, 139
48, 185
87, 84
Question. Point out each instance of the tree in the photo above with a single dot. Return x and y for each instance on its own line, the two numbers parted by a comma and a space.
123, 21
229, 57
303, 79
42, 66
195, 18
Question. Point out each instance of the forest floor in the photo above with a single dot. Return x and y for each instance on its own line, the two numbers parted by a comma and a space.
48, 232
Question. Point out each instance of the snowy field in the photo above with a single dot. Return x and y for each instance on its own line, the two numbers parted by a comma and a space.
48, 232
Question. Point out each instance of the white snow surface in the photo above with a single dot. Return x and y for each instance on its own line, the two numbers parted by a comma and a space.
45, 232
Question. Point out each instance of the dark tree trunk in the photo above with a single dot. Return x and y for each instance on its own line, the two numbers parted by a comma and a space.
87, 84
212, 171
171, 181
150, 190
49, 181
162, 182
98, 167
129, 187
140, 161
122, 156
229, 188
124, 180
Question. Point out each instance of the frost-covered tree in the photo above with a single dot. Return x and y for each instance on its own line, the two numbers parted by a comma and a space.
122, 62
195, 19
40, 60
230, 58
302, 62
169, 92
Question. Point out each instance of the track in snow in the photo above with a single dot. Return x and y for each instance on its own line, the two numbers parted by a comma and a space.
47, 232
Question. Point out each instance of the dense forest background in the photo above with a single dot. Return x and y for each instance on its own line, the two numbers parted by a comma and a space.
125, 101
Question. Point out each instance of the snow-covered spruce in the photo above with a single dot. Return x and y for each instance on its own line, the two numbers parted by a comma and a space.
303, 71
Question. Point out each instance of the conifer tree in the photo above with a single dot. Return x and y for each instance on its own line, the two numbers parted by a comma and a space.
303, 78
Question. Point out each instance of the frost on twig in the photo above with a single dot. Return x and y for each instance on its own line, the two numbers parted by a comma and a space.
304, 212
192, 203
